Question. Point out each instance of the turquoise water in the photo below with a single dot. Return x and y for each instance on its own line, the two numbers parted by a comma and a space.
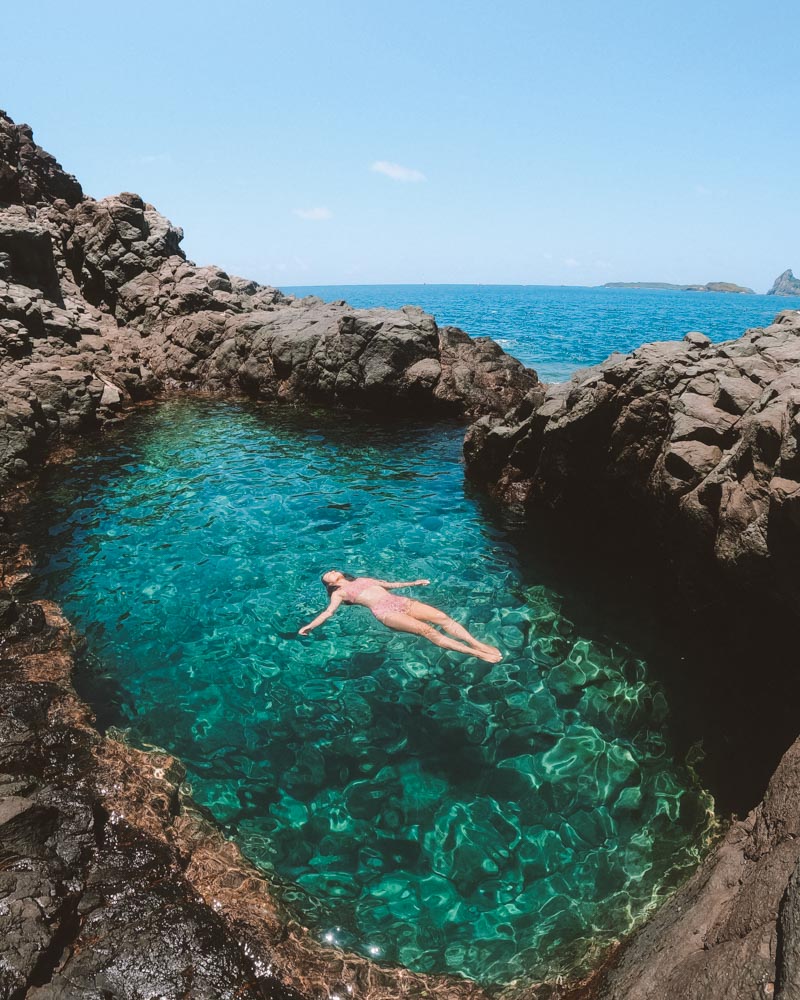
422, 807
558, 329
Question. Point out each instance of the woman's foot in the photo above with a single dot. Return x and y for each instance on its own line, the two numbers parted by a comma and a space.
484, 647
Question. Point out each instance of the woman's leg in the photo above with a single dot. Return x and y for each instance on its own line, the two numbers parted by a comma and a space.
406, 623
428, 613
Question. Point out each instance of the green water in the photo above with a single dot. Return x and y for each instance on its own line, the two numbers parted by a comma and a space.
423, 807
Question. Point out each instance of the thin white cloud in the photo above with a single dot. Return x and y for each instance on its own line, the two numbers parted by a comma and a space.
319, 214
571, 262
397, 172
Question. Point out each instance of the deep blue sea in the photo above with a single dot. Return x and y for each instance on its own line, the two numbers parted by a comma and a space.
556, 329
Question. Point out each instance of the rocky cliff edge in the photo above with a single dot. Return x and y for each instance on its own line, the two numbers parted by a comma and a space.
100, 307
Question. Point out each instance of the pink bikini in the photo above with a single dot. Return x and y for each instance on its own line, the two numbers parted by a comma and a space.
350, 590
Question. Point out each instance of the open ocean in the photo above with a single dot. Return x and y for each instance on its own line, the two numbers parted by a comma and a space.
557, 329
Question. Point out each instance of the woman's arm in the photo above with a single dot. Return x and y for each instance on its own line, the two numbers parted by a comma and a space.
409, 583
335, 602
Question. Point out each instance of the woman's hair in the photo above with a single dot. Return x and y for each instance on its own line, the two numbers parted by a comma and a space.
330, 587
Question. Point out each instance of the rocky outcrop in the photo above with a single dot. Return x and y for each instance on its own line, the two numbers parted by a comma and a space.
732, 930
99, 307
785, 284
709, 286
701, 441
92, 905
113, 884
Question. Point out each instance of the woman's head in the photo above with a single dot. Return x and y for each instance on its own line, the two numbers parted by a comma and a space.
333, 579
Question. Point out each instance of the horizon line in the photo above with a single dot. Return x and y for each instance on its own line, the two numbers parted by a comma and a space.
508, 284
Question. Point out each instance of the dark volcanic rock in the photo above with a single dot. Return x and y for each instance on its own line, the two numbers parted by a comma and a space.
722, 933
785, 284
91, 905
29, 175
700, 441
112, 885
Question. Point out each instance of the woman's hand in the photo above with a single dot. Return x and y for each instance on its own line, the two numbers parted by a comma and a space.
304, 630
422, 583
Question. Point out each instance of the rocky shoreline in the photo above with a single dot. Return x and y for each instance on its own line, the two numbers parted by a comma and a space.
113, 883
700, 441
99, 307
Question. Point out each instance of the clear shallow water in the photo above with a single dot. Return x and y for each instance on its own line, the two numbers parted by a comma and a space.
556, 329
427, 808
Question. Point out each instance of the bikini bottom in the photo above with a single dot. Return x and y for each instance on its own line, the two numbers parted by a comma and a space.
390, 605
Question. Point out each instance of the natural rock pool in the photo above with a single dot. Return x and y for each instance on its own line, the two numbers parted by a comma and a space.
422, 807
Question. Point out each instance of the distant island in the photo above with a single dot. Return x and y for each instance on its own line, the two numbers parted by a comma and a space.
711, 286
785, 284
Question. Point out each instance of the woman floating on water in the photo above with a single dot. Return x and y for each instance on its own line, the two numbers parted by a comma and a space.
400, 613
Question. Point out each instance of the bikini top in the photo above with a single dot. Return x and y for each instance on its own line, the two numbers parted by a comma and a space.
350, 590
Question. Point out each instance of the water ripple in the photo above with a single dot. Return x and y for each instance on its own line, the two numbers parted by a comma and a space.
494, 821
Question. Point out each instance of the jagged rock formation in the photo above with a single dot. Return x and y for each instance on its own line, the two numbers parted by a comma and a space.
785, 284
99, 306
112, 883
701, 439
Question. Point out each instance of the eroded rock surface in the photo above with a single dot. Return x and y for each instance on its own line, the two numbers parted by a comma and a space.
732, 930
112, 884
700, 440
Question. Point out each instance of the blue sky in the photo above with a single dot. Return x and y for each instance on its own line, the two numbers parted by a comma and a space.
553, 142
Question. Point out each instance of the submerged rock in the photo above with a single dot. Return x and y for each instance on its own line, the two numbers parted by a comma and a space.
114, 885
